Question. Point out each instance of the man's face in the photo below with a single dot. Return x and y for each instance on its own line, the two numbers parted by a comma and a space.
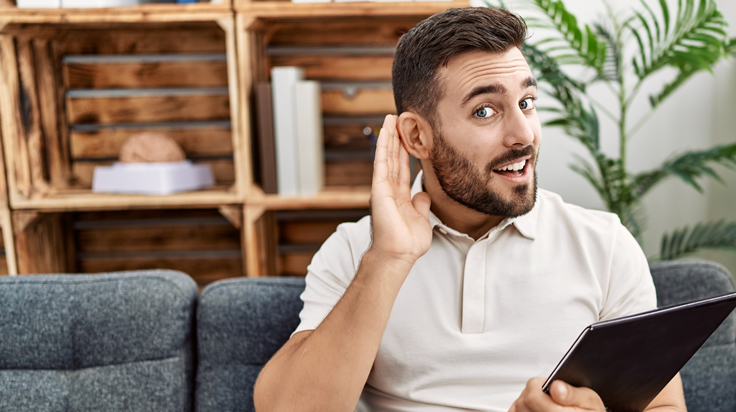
487, 142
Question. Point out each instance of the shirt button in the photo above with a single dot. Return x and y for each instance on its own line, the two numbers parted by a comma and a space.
443, 231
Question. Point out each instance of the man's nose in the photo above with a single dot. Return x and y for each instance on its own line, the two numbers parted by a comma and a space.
518, 131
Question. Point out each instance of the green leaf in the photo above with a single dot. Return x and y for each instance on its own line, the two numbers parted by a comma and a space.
696, 42
688, 167
709, 235
583, 43
732, 47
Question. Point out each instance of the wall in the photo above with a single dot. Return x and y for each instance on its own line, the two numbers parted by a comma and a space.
699, 115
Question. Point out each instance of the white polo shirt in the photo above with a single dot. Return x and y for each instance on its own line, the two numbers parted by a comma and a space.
475, 320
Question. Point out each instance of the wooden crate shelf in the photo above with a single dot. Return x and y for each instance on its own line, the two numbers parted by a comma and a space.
87, 87
205, 243
73, 88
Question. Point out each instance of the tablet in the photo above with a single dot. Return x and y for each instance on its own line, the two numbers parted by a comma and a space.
627, 361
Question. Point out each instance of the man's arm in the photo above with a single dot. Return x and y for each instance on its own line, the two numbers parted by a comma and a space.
326, 369
563, 397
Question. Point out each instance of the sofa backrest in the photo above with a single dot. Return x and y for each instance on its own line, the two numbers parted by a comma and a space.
112, 342
709, 378
241, 323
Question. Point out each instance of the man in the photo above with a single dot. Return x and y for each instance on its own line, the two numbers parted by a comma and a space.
464, 291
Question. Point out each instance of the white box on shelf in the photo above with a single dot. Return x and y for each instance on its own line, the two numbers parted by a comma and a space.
85, 4
152, 178
39, 4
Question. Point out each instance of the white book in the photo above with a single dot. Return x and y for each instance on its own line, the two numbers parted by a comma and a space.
310, 137
283, 80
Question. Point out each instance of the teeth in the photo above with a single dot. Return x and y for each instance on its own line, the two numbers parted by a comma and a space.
514, 166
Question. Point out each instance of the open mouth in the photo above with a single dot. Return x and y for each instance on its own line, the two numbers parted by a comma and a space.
513, 169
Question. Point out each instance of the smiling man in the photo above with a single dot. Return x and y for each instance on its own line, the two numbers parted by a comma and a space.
463, 290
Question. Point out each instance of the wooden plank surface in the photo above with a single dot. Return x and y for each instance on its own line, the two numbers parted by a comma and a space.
145, 75
111, 110
363, 31
294, 264
201, 243
348, 173
106, 143
144, 39
339, 67
379, 102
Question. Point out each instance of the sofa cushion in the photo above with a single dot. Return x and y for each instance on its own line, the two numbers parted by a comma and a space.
710, 375
113, 342
241, 323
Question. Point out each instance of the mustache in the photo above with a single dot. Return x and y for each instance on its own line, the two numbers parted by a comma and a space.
509, 156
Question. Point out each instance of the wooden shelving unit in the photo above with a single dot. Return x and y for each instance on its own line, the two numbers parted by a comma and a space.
58, 122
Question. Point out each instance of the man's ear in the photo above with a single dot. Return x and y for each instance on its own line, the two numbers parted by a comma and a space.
416, 134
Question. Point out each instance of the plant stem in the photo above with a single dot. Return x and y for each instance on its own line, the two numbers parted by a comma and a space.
640, 123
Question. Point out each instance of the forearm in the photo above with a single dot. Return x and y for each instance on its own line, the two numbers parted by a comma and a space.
327, 371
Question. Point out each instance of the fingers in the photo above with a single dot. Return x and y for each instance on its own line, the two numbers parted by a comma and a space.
568, 395
381, 161
532, 399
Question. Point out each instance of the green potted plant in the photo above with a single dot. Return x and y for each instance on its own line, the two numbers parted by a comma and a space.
623, 53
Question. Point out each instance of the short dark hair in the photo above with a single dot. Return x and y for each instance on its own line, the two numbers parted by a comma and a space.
434, 41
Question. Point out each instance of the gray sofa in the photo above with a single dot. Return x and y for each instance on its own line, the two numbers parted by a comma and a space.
144, 341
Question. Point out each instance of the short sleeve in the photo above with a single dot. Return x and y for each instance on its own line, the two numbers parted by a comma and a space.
332, 270
631, 288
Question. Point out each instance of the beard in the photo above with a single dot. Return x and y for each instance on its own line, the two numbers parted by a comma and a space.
464, 184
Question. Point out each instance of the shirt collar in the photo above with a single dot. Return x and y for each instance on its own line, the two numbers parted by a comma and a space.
525, 224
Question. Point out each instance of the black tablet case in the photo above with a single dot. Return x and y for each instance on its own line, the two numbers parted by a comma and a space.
629, 360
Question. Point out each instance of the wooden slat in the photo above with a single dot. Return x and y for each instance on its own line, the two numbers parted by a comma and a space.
41, 242
146, 75
349, 136
109, 110
202, 270
306, 232
147, 39
348, 173
294, 264
146, 215
160, 238
367, 31
339, 67
3, 266
223, 170
54, 133
364, 102
195, 142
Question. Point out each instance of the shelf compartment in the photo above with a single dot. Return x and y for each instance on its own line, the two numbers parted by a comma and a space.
351, 55
202, 243
75, 92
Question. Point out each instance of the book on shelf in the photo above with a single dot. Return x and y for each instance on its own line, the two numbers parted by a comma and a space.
309, 137
283, 81
298, 133
266, 142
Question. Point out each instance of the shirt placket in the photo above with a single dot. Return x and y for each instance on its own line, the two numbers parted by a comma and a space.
474, 284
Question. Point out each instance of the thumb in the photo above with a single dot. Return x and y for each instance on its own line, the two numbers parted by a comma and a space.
561, 393
421, 202
567, 395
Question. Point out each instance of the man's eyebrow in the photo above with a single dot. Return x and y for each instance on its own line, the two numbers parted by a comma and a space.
490, 88
529, 82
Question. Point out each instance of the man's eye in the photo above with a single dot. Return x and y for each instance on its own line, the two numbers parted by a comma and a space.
484, 112
527, 103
